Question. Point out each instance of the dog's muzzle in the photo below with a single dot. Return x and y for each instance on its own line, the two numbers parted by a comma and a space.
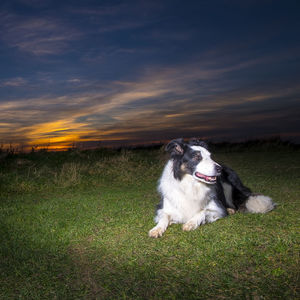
208, 179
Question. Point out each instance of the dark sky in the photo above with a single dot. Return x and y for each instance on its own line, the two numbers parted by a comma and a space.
143, 71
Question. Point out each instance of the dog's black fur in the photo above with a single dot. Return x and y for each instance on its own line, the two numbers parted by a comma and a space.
196, 190
240, 193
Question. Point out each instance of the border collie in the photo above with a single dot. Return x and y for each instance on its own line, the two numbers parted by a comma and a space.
196, 190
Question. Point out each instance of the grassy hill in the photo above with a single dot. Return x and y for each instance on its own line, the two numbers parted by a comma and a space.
74, 225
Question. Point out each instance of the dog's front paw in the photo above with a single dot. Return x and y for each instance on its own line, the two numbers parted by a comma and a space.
231, 211
189, 226
156, 232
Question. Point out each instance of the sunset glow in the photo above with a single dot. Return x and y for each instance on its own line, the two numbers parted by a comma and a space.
105, 73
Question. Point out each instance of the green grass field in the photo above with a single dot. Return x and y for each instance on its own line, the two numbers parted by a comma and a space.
74, 225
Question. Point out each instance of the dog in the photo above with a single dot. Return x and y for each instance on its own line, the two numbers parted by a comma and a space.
196, 190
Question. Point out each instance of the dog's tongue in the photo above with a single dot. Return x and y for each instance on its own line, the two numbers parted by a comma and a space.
207, 178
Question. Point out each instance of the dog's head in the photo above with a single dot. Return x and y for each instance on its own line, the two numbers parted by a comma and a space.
193, 159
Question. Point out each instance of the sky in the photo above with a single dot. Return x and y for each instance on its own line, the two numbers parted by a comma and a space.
133, 72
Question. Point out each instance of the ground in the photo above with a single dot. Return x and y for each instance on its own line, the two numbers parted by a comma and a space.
74, 225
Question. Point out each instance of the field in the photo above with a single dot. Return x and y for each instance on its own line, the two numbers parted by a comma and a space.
74, 225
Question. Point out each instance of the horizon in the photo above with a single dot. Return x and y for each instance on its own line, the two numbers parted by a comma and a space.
141, 72
274, 141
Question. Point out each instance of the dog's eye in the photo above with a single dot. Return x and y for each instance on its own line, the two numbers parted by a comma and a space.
197, 156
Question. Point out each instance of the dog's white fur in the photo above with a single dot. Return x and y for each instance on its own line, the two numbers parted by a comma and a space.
259, 204
186, 201
191, 202
206, 165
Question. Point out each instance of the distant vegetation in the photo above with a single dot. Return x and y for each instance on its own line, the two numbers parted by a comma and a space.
74, 224
272, 142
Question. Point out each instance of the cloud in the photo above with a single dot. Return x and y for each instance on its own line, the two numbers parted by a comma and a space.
100, 10
13, 82
36, 35
162, 103
74, 80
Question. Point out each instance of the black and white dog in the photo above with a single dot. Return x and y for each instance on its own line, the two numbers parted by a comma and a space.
196, 190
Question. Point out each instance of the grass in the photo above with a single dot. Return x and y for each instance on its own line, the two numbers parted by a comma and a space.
73, 225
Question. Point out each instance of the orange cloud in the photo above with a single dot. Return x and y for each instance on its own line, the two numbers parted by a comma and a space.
160, 100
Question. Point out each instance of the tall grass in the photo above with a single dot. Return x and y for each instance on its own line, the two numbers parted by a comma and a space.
73, 225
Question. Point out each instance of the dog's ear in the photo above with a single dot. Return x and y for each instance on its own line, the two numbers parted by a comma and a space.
176, 147
197, 142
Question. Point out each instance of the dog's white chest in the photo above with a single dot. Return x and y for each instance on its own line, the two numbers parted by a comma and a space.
183, 198
194, 195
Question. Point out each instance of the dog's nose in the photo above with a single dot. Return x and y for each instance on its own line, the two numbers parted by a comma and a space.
218, 168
